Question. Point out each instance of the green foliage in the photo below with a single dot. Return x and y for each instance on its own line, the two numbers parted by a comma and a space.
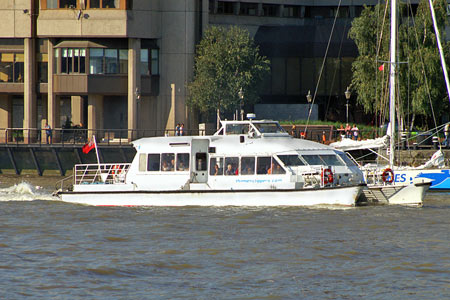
416, 45
227, 60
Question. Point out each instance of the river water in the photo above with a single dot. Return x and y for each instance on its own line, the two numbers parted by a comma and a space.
54, 250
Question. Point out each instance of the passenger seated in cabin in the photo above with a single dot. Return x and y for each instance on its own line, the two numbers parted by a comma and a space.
165, 166
230, 170
248, 170
181, 166
216, 170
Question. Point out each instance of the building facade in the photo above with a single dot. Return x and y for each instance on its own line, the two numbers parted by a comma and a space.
124, 64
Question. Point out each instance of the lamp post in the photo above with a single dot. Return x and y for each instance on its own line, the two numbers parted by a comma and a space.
347, 96
241, 103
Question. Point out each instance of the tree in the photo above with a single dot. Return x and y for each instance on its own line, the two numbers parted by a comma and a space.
416, 45
227, 61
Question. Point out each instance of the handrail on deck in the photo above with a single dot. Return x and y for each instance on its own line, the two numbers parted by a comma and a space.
111, 173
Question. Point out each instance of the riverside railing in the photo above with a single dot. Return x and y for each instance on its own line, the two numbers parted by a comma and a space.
80, 136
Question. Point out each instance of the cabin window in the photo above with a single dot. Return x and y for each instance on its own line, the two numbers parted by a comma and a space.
153, 161
331, 160
216, 166
142, 162
291, 160
263, 164
183, 162
347, 160
200, 161
275, 168
167, 162
231, 165
247, 165
269, 128
313, 160
237, 129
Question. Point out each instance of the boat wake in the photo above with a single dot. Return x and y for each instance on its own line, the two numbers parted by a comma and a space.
25, 192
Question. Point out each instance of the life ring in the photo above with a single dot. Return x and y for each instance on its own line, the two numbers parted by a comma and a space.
327, 176
388, 175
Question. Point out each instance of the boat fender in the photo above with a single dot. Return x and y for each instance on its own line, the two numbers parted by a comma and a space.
327, 176
388, 175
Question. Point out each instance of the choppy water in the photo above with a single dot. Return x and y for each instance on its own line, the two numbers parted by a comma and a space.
54, 250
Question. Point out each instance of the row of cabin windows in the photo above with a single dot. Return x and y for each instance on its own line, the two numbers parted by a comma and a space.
229, 166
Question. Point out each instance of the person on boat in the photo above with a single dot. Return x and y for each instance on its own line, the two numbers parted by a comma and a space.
355, 132
216, 170
178, 129
181, 166
447, 135
230, 170
165, 166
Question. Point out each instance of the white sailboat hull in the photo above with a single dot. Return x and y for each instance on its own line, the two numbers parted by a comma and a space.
408, 194
340, 196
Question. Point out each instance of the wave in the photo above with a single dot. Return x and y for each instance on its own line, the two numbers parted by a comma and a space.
24, 191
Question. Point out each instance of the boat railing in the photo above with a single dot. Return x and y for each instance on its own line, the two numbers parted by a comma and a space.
101, 173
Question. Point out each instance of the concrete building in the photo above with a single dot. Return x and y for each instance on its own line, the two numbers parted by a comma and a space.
124, 64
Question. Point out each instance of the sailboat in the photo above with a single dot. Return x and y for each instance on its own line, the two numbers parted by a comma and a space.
381, 184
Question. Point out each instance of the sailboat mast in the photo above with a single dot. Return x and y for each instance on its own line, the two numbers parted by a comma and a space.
441, 52
393, 65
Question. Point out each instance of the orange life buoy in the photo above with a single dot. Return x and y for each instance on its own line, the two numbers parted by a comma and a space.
388, 175
327, 176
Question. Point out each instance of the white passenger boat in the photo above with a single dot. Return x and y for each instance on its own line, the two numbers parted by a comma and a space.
246, 163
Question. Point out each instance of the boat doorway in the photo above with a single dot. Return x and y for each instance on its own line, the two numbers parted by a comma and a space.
200, 158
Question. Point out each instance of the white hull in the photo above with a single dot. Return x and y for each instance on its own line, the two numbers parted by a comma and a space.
410, 194
340, 196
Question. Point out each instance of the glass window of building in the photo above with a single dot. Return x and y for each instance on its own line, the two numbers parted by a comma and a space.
292, 11
110, 3
96, 61
94, 3
249, 9
144, 62
270, 10
42, 61
67, 3
51, 4
18, 67
6, 67
224, 7
155, 62
111, 61
123, 61
73, 60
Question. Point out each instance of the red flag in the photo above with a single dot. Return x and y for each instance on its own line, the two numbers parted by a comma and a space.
381, 68
88, 147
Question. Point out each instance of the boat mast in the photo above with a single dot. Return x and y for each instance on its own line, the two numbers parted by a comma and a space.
392, 80
441, 52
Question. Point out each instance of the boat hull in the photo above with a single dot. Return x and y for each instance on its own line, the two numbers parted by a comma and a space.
340, 196
409, 194
440, 178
